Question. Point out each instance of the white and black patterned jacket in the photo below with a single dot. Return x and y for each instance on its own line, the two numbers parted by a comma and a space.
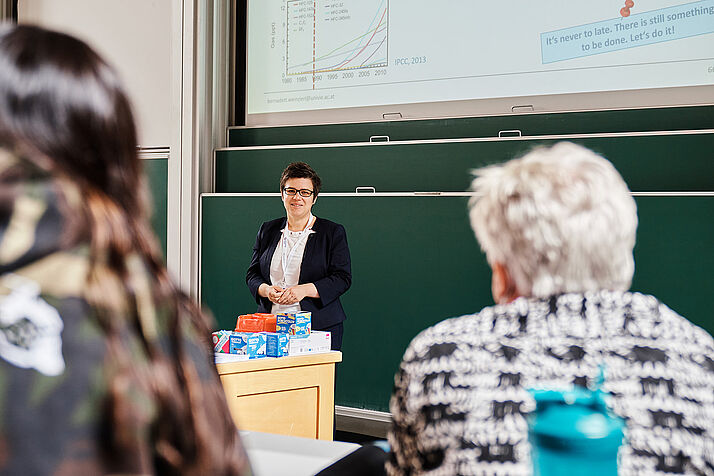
460, 395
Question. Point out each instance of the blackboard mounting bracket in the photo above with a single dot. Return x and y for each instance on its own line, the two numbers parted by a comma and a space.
522, 109
510, 133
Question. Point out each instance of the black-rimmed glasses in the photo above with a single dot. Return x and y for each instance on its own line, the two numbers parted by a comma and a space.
304, 192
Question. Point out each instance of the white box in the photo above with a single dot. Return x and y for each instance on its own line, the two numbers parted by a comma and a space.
221, 358
317, 341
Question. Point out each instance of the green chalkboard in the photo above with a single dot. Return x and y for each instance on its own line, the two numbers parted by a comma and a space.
628, 120
674, 257
416, 262
156, 171
650, 162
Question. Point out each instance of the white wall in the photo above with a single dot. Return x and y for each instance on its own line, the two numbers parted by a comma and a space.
173, 56
132, 35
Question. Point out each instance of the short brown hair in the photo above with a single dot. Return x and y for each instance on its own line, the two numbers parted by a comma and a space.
301, 170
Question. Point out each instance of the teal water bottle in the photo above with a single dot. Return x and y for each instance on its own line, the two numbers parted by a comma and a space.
573, 432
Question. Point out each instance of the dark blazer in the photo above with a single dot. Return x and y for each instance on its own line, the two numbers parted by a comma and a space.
325, 263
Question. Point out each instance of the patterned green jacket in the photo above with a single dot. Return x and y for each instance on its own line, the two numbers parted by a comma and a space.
53, 378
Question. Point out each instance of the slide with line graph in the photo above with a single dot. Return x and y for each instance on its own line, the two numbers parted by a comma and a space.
330, 37
307, 55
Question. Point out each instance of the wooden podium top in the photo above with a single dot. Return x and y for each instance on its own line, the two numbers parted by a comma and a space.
267, 363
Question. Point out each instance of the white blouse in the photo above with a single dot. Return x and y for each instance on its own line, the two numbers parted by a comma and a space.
286, 263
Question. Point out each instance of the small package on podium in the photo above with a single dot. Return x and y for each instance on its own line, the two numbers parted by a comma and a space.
251, 344
239, 343
256, 345
297, 324
221, 342
276, 344
255, 323
317, 341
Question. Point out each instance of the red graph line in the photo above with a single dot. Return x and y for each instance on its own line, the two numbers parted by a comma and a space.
366, 45
375, 50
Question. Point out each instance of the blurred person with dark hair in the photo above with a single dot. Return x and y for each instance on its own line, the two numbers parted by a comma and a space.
302, 262
558, 230
105, 366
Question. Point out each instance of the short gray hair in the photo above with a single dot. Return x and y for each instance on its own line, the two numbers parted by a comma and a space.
560, 219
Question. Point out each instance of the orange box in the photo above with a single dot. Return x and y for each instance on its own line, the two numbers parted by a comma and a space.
256, 323
270, 323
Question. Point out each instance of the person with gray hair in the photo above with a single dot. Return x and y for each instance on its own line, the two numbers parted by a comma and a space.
559, 220
558, 230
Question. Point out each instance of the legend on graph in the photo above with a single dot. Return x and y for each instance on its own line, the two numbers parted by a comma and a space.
324, 36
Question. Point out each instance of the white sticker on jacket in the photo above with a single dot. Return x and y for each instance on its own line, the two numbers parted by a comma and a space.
30, 329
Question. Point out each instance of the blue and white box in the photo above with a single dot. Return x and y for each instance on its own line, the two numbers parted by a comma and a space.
238, 343
251, 344
256, 345
297, 324
276, 344
285, 323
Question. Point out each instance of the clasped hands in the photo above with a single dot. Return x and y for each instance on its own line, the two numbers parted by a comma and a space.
290, 295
